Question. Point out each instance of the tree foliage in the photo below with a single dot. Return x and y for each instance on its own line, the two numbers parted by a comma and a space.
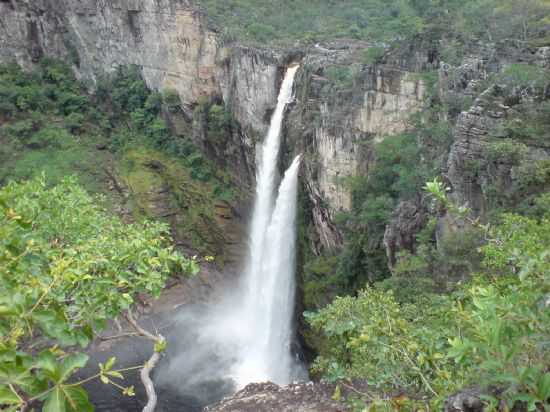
493, 330
66, 267
382, 21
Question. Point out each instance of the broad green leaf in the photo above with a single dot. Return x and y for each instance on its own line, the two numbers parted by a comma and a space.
55, 402
71, 364
7, 396
47, 361
77, 399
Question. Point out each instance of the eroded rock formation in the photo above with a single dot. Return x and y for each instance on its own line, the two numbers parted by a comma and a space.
176, 49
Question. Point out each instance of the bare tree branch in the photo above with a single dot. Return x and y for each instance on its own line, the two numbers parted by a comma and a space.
145, 373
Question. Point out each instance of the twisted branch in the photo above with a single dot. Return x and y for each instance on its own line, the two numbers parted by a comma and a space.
149, 365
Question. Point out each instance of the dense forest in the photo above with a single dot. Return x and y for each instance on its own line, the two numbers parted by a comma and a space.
465, 305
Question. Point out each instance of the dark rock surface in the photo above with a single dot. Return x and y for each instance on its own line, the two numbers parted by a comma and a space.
468, 400
268, 397
407, 220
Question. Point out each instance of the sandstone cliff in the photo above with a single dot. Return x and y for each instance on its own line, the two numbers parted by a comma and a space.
171, 42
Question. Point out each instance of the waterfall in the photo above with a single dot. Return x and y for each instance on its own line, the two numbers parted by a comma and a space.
246, 336
268, 302
265, 183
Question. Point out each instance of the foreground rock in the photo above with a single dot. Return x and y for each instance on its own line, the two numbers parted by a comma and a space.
297, 397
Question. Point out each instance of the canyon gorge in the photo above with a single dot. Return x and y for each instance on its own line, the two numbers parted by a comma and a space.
338, 109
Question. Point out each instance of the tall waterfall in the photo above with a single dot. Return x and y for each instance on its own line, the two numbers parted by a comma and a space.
268, 303
246, 336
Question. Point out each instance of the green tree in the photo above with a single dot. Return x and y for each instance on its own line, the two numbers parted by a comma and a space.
66, 267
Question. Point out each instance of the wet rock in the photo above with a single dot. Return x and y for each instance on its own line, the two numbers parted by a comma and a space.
268, 397
467, 400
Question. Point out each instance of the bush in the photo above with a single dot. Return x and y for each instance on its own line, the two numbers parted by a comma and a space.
493, 331
261, 32
69, 102
524, 75
158, 131
7, 108
391, 345
74, 122
373, 55
219, 120
129, 92
21, 129
50, 136
171, 99
342, 76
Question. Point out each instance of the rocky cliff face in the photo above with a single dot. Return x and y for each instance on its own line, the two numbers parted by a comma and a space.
342, 108
166, 38
176, 50
487, 163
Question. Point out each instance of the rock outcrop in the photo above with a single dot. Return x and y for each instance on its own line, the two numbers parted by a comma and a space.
268, 397
177, 50
483, 168
343, 107
407, 220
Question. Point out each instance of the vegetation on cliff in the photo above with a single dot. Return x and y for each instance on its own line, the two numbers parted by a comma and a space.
492, 330
285, 22
458, 303
116, 142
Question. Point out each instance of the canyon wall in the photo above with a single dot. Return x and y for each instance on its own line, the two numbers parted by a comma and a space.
176, 49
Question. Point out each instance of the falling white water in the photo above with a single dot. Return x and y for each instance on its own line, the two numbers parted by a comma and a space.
270, 307
265, 184
268, 303
246, 337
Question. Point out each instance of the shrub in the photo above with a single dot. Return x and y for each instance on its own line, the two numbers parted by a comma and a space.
219, 120
74, 122
493, 331
158, 131
373, 55
69, 102
50, 136
21, 129
524, 75
7, 108
391, 345
129, 92
340, 75
261, 32
153, 103
506, 151
171, 99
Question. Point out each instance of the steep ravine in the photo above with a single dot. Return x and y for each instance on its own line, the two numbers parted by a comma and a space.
176, 50
334, 120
